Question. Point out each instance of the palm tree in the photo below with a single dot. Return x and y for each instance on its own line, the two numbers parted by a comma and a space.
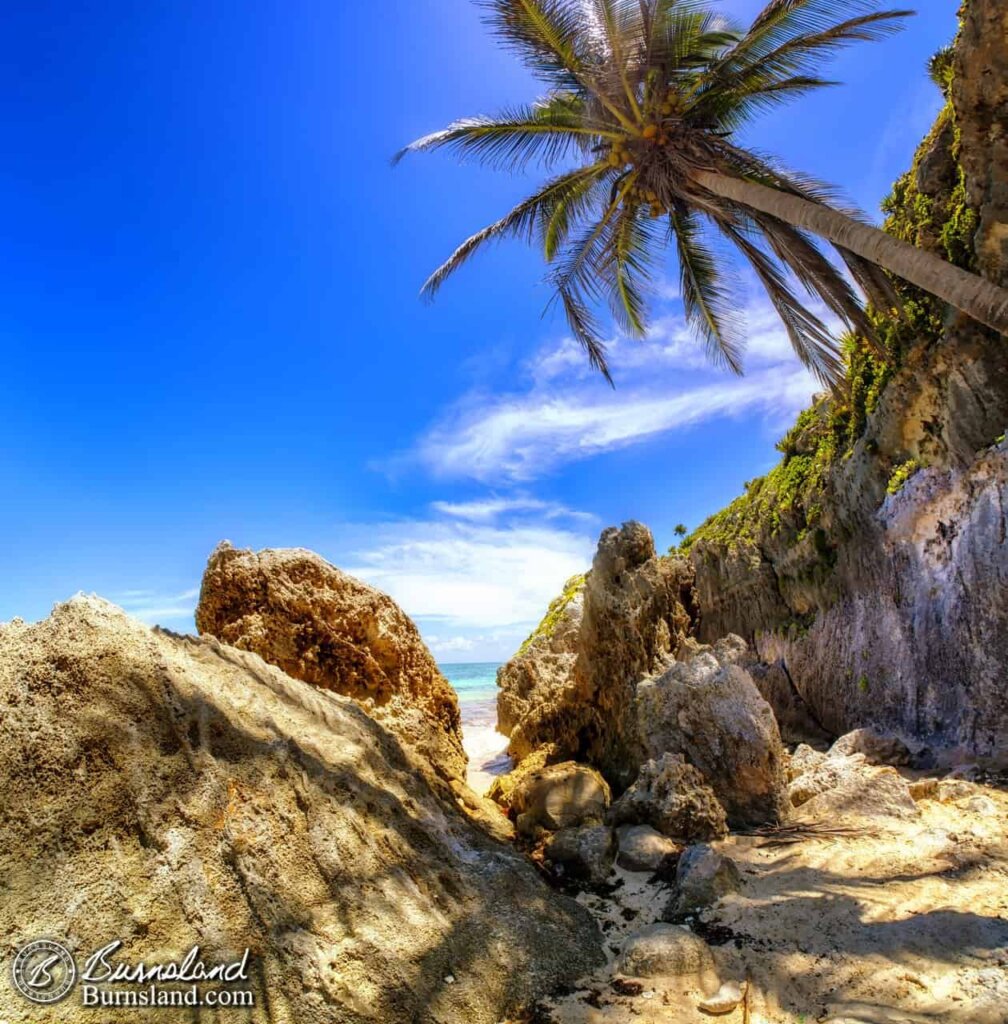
644, 102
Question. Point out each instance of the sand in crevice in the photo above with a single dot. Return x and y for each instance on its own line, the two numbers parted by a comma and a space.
486, 749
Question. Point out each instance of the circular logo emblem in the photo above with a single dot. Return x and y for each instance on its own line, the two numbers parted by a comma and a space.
44, 971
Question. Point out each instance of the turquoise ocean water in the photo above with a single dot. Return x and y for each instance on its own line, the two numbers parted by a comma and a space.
476, 686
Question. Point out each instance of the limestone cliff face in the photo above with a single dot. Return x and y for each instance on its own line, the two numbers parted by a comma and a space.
872, 562
572, 685
980, 95
171, 791
321, 625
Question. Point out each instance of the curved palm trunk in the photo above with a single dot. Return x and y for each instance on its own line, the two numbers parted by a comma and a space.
968, 292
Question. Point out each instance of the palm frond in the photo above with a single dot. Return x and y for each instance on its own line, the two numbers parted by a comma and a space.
586, 329
578, 277
815, 272
521, 221
751, 71
574, 205
708, 303
548, 36
876, 285
811, 340
511, 140
629, 269
622, 31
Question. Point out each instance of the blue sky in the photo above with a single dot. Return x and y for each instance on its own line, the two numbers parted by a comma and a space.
210, 325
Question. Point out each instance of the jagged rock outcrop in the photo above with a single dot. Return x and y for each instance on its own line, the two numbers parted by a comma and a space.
322, 626
871, 564
980, 98
621, 699
795, 719
170, 791
544, 667
638, 611
573, 683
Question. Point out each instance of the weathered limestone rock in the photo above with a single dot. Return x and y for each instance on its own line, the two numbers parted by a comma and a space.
980, 97
572, 684
643, 848
171, 791
672, 797
923, 789
702, 878
876, 747
795, 719
824, 774
586, 853
951, 790
711, 712
560, 796
665, 950
638, 609
725, 1000
857, 790
320, 625
804, 759
503, 788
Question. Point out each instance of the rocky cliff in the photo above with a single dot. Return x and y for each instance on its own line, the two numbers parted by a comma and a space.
319, 624
170, 791
871, 563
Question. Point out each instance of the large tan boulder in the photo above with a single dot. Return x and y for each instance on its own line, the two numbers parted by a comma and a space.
560, 796
877, 747
709, 710
317, 624
173, 791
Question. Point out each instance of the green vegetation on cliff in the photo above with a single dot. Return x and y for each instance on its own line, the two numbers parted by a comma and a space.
901, 474
556, 609
927, 207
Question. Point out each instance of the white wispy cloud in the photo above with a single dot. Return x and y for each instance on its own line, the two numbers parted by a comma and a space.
155, 607
565, 413
457, 578
488, 509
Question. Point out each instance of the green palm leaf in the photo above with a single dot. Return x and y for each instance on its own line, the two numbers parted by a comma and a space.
639, 126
